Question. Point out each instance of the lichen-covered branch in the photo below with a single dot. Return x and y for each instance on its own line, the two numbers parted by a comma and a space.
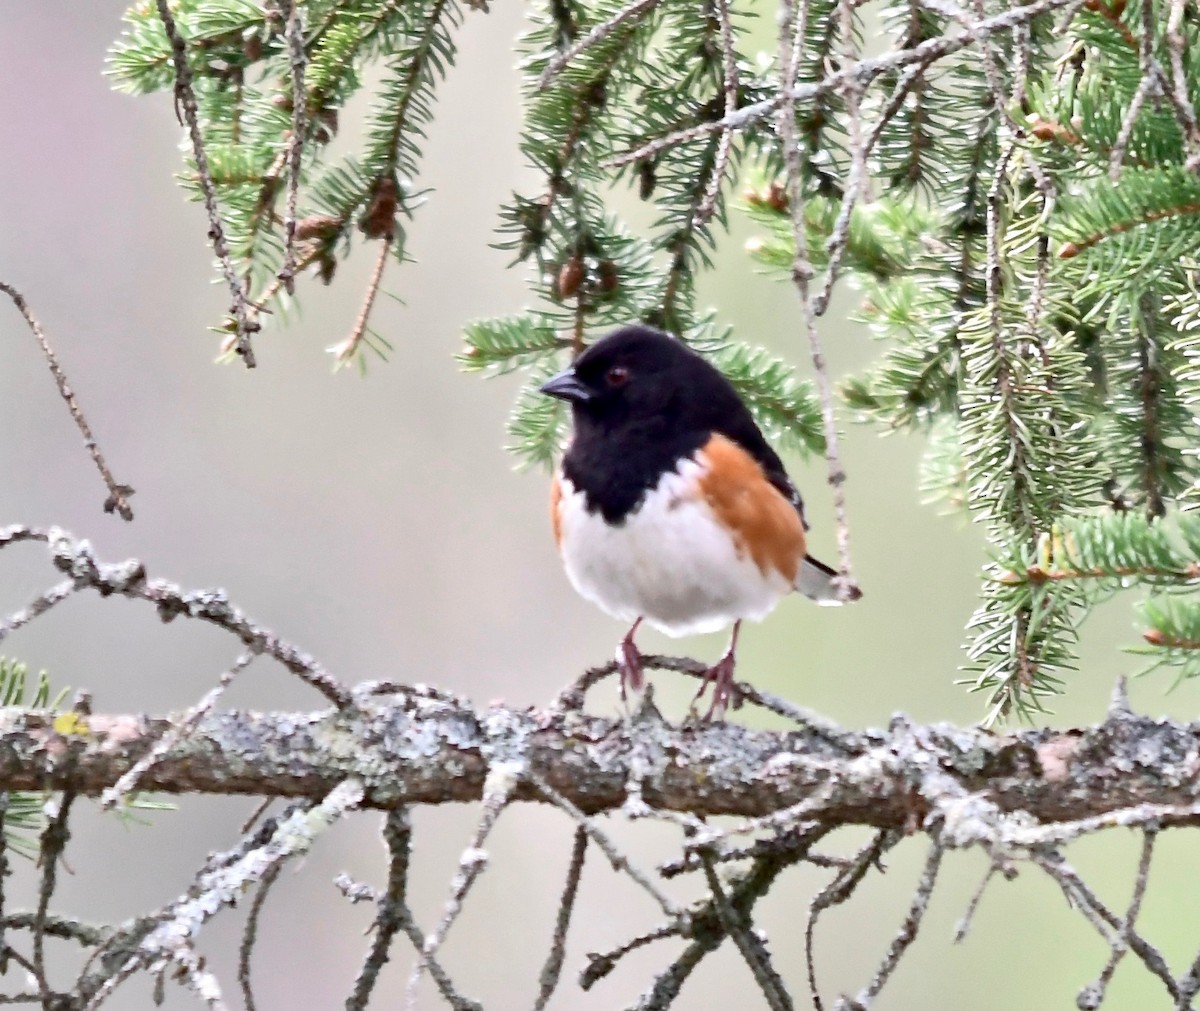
415, 746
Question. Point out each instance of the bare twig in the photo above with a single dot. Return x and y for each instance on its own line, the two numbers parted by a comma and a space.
295, 35
38, 606
617, 859
390, 907
793, 27
838, 891
185, 98
552, 970
1116, 157
751, 948
1185, 112
129, 781
839, 237
1092, 995
346, 350
600, 964
963, 927
53, 844
502, 779
129, 579
118, 494
730, 83
250, 934
167, 935
908, 930
1107, 924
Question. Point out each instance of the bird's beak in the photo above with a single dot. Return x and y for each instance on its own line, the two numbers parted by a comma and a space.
566, 386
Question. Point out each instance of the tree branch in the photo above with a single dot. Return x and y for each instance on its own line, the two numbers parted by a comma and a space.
414, 746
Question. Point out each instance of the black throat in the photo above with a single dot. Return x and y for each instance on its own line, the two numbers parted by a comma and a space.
614, 466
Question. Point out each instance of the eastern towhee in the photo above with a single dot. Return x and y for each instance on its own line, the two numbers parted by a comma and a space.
669, 506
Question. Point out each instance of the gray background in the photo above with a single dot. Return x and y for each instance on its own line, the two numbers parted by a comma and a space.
378, 524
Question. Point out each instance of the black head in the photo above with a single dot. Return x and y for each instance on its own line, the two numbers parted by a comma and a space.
637, 374
642, 401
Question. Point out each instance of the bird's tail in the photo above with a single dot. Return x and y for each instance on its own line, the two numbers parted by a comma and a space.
818, 582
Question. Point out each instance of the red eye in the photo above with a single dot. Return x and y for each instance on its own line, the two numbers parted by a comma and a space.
618, 375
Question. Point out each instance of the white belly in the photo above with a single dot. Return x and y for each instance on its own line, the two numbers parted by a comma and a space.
669, 562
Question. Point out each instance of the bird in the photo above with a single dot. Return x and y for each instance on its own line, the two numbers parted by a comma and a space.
669, 506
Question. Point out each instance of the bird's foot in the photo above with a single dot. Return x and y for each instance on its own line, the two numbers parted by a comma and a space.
629, 664
720, 676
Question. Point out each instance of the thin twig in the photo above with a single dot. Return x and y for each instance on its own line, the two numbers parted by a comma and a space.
148, 941
118, 494
295, 35
1116, 157
839, 237
1106, 923
345, 350
53, 844
908, 930
751, 950
185, 98
788, 818
552, 970
600, 964
730, 84
129, 579
501, 780
595, 36
1185, 112
38, 606
963, 927
390, 907
841, 888
793, 28
1092, 995
250, 934
128, 782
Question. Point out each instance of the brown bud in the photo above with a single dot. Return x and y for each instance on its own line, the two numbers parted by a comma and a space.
326, 265
317, 226
570, 277
1068, 250
325, 125
1154, 637
607, 279
647, 179
777, 197
252, 47
379, 219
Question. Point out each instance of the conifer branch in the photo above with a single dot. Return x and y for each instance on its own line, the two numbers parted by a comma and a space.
1185, 110
863, 73
185, 99
595, 36
295, 151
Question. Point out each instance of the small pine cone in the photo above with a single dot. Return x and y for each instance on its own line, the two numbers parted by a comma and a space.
570, 277
379, 219
317, 226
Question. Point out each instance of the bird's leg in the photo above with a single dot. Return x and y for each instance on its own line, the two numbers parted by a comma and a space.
629, 662
721, 676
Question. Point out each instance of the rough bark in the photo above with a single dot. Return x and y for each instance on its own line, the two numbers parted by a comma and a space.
416, 747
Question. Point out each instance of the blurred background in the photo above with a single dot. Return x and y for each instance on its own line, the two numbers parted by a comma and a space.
377, 523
